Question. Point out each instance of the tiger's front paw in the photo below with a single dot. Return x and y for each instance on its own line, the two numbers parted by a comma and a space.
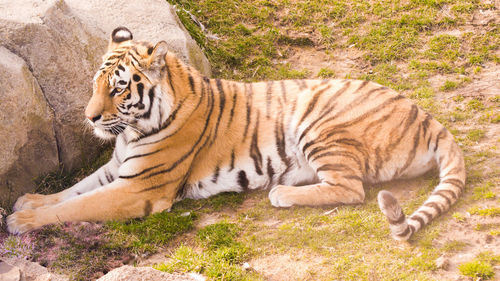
22, 221
281, 196
31, 201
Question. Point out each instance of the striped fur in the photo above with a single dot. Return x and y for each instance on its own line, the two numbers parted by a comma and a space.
182, 135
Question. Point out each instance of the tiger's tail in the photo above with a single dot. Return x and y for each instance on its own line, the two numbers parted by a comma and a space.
452, 181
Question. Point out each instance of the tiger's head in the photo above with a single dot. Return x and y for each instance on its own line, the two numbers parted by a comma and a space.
127, 92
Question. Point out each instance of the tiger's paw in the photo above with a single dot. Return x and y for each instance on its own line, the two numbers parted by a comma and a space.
21, 221
281, 196
31, 201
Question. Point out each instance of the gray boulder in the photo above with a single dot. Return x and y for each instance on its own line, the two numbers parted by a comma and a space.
130, 273
28, 145
61, 44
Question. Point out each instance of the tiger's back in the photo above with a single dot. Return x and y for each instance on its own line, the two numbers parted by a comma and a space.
180, 134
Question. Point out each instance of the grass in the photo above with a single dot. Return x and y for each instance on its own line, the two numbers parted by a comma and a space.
481, 266
454, 246
220, 259
477, 269
490, 212
148, 233
484, 191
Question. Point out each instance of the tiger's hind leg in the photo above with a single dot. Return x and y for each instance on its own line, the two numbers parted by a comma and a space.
340, 177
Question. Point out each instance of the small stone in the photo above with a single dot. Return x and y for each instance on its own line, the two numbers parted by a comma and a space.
442, 262
246, 266
488, 239
9, 272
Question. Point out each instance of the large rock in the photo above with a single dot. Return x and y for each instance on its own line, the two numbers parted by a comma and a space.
130, 273
18, 269
62, 43
28, 145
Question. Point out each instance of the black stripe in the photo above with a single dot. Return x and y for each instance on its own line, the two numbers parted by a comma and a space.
333, 167
216, 174
140, 173
163, 126
302, 85
140, 91
254, 148
270, 170
191, 82
426, 214
426, 123
353, 190
151, 95
353, 104
363, 84
222, 102
100, 182
231, 113
269, 86
148, 208
243, 180
232, 161
442, 194
106, 174
334, 97
143, 154
166, 68
405, 232
279, 134
115, 155
249, 95
283, 90
438, 137
419, 219
456, 182
434, 206
399, 220
120, 67
337, 153
412, 153
159, 185
313, 102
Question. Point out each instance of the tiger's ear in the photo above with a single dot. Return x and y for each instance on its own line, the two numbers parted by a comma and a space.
153, 63
119, 35
157, 55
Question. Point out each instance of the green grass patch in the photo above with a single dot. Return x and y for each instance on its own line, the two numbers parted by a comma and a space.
490, 212
481, 266
484, 191
449, 86
148, 233
14, 246
454, 246
326, 73
477, 269
443, 47
458, 217
475, 135
220, 259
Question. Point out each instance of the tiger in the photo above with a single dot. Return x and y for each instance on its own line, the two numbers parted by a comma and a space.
179, 134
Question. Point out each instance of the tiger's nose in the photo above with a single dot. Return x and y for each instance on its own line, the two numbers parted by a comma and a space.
94, 118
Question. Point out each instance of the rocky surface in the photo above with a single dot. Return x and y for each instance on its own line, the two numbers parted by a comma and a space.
130, 273
54, 47
28, 145
18, 269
